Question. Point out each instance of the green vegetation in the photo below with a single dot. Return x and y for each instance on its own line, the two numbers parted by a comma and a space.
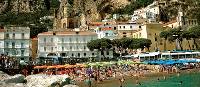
129, 9
120, 44
178, 33
31, 19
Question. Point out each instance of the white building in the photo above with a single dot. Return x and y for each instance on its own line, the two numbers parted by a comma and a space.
67, 44
15, 42
1, 41
109, 34
151, 12
126, 29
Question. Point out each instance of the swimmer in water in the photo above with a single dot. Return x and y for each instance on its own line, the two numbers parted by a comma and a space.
164, 78
181, 82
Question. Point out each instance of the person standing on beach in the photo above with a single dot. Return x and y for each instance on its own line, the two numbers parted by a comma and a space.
121, 81
89, 82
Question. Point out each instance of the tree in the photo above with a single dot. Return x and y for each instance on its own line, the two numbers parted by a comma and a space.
195, 33
176, 34
142, 43
186, 34
164, 34
100, 45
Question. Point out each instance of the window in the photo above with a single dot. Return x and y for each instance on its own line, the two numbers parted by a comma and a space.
124, 32
115, 28
13, 52
13, 36
7, 44
22, 45
22, 35
92, 54
72, 55
131, 27
45, 48
64, 25
51, 39
45, 40
7, 35
62, 40
13, 44
77, 47
62, 48
106, 34
120, 27
84, 47
84, 54
139, 26
76, 39
70, 47
22, 52
78, 54
124, 36
155, 38
63, 54
124, 26
70, 39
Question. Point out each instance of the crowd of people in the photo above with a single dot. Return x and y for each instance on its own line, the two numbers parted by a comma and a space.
8, 62
97, 74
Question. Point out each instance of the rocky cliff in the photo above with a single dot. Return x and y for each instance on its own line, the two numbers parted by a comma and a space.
94, 9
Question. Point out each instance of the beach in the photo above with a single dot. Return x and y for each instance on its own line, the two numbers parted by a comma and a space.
189, 78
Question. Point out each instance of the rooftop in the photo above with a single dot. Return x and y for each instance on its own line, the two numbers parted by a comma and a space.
2, 30
173, 21
68, 33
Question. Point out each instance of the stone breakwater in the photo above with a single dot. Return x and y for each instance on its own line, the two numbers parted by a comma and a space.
38, 80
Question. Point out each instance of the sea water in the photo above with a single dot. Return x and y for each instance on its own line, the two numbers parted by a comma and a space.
191, 79
184, 79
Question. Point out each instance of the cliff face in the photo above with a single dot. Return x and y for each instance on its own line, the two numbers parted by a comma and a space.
97, 9
21, 5
93, 9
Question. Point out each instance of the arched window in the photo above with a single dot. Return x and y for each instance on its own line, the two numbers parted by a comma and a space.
64, 25
84, 54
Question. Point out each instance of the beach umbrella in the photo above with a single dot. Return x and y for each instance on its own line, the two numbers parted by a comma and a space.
69, 66
60, 66
40, 67
80, 65
51, 67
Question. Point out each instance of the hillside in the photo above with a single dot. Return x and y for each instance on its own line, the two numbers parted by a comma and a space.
30, 12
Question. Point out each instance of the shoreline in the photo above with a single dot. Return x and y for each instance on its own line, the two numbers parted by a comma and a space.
145, 77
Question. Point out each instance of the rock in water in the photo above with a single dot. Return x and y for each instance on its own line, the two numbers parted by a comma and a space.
19, 78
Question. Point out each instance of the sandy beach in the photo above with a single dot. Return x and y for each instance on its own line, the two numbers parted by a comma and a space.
114, 82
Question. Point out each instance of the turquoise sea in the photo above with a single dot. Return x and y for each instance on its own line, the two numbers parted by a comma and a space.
184, 79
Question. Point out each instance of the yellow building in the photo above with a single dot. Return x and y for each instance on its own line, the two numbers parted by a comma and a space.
152, 31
